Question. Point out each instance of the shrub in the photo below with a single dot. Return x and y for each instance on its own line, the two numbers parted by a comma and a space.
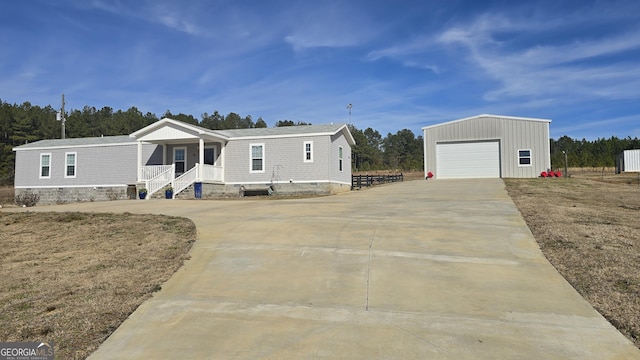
27, 199
113, 194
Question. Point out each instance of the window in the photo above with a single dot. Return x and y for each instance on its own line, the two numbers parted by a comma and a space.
70, 171
45, 166
340, 158
210, 156
524, 157
257, 158
179, 156
308, 151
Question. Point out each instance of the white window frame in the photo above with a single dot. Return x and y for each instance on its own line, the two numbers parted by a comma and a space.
520, 157
251, 158
175, 149
340, 159
305, 152
42, 155
66, 164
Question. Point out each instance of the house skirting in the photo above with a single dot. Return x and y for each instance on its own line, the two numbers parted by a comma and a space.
63, 195
217, 191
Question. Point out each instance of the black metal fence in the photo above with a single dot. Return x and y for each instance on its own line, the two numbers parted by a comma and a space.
358, 181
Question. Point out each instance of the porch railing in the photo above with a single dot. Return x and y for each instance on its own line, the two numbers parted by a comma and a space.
161, 180
211, 173
183, 181
156, 177
151, 171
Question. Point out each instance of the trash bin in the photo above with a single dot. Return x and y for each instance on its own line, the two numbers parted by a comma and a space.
197, 189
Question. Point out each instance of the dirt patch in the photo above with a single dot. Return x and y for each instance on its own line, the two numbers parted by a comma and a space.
590, 231
73, 278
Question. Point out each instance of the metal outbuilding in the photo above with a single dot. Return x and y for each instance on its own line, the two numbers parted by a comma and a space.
487, 146
628, 161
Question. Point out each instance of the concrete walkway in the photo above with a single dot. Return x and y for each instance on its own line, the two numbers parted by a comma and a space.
415, 270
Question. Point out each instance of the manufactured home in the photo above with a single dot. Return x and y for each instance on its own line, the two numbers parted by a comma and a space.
189, 159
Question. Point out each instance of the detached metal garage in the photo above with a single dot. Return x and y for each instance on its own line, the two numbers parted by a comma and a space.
487, 146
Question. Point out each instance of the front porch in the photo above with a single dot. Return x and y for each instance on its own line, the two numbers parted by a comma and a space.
185, 154
158, 177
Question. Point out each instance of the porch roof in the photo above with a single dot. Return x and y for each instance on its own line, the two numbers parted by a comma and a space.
168, 129
289, 131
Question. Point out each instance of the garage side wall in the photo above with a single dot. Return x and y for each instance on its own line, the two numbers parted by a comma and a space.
525, 135
513, 135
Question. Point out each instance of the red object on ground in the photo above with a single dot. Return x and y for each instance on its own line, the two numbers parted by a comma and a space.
558, 174
543, 174
429, 175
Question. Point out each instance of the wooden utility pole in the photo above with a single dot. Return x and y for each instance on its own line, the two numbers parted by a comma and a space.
60, 117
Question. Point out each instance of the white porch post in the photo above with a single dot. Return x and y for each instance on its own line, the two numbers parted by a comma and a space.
222, 156
201, 162
164, 154
139, 161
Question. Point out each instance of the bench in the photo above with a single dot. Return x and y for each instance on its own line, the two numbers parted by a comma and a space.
256, 191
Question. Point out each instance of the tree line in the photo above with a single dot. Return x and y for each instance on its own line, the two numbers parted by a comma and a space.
601, 152
402, 151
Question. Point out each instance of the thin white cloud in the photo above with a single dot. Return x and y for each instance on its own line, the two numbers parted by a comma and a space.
172, 21
581, 50
536, 71
326, 25
599, 123
178, 17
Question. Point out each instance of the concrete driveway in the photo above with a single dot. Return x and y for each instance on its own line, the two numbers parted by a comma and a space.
415, 270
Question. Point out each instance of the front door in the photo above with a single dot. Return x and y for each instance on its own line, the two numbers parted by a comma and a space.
179, 159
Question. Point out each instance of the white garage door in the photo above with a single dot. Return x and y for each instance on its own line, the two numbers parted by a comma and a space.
468, 160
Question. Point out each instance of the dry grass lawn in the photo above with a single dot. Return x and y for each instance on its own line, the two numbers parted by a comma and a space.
6, 196
73, 278
588, 226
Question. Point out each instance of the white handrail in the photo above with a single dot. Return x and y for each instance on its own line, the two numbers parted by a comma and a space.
161, 180
183, 181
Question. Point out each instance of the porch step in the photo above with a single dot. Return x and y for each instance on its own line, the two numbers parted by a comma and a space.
188, 193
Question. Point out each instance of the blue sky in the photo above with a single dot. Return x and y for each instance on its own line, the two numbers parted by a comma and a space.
401, 64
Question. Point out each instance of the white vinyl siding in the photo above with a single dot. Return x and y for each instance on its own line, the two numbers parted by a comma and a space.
70, 164
45, 166
468, 160
308, 151
256, 164
95, 166
524, 157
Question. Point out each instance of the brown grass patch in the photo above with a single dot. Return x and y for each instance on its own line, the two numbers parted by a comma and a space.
73, 278
7, 194
590, 231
